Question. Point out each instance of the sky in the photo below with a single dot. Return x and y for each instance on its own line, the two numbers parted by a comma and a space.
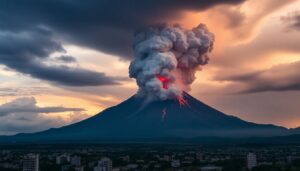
64, 61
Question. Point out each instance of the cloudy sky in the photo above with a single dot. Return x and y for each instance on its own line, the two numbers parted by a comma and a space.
62, 61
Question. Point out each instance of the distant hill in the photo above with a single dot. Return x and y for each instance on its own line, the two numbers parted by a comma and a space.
295, 130
134, 119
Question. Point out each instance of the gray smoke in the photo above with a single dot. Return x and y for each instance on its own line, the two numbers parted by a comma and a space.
167, 58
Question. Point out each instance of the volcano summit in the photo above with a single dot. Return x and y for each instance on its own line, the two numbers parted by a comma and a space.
166, 59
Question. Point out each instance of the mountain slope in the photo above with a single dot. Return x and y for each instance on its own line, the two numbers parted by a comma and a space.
295, 130
135, 119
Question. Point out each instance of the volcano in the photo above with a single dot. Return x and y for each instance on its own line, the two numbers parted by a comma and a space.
135, 119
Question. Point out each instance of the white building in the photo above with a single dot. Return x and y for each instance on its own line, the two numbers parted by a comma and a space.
175, 163
105, 164
251, 161
31, 162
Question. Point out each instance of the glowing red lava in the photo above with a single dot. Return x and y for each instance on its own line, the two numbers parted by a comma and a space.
164, 113
163, 80
182, 101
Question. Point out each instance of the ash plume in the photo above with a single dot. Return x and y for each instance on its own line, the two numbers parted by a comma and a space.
166, 59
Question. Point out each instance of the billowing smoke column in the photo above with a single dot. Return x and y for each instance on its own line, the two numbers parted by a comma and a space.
166, 59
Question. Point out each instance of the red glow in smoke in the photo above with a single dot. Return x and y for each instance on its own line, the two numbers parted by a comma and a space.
163, 80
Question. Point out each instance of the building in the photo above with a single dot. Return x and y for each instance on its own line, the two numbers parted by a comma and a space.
75, 160
199, 156
105, 164
31, 162
79, 168
251, 161
131, 166
211, 168
66, 167
175, 163
166, 158
126, 158
62, 159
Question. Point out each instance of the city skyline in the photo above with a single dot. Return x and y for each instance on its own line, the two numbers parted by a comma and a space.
122, 157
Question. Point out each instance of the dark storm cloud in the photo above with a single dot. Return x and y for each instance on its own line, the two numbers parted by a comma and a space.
67, 59
23, 115
23, 91
27, 52
27, 30
67, 76
284, 77
239, 77
235, 18
105, 25
292, 20
28, 105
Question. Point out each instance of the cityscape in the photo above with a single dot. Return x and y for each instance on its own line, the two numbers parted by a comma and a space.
154, 157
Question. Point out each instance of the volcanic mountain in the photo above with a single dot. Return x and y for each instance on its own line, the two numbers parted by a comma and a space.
136, 119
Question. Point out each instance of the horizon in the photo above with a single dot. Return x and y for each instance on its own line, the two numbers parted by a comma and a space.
59, 68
